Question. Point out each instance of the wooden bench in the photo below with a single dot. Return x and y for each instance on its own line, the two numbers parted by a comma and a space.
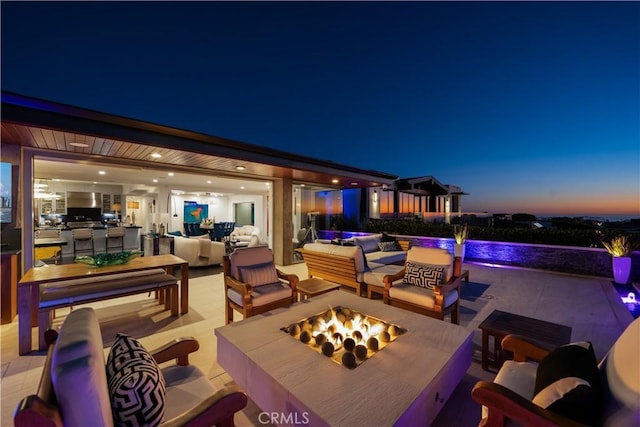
333, 267
79, 291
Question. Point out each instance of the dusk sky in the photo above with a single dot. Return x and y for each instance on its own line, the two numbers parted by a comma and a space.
529, 107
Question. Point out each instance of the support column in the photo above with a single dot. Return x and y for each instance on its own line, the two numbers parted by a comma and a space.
283, 221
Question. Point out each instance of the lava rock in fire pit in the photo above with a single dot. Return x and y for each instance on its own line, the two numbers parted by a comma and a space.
384, 336
337, 338
306, 326
361, 352
372, 343
321, 339
349, 360
294, 329
349, 344
327, 349
305, 337
357, 335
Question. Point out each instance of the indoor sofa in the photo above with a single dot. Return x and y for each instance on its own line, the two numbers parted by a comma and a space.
244, 233
199, 251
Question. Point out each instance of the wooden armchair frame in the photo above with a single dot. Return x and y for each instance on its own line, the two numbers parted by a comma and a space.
503, 404
439, 293
247, 309
40, 409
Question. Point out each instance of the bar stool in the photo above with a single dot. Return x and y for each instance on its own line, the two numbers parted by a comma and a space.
82, 241
114, 234
48, 252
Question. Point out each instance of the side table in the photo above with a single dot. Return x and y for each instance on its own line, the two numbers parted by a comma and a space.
311, 287
499, 324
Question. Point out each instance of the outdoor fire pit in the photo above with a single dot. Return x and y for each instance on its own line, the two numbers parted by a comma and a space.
346, 336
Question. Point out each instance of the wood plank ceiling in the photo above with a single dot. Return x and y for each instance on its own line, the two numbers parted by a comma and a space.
97, 137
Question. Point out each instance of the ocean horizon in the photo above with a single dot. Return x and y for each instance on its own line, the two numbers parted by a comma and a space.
597, 217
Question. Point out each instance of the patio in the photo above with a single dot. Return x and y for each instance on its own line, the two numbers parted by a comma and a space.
590, 306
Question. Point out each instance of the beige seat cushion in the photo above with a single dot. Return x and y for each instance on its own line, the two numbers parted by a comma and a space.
433, 257
519, 377
186, 387
420, 296
78, 365
263, 294
375, 276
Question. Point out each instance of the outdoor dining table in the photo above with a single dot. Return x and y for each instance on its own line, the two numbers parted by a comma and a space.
29, 286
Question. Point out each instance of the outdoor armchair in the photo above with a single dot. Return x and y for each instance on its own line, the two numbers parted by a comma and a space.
565, 386
253, 284
428, 284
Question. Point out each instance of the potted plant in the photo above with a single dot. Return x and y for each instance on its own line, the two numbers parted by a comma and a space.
460, 233
620, 248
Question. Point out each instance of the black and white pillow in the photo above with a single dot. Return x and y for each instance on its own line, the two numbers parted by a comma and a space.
388, 246
136, 385
568, 383
422, 275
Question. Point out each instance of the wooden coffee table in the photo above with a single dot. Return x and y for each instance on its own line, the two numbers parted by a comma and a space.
500, 324
311, 287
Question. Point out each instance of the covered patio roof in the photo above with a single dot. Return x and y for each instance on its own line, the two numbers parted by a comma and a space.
88, 134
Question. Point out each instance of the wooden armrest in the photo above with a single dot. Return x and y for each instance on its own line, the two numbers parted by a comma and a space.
178, 349
217, 409
503, 402
390, 278
453, 283
291, 278
524, 349
405, 245
243, 288
32, 411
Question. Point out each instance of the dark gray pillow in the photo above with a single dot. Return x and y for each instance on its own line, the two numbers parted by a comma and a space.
568, 383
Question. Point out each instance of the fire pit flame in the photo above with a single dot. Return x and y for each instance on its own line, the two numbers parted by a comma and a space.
348, 337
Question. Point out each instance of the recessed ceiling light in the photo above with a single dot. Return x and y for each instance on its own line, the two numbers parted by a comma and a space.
170, 173
78, 144
102, 172
155, 180
242, 187
354, 183
335, 181
156, 155
240, 168
301, 185
208, 181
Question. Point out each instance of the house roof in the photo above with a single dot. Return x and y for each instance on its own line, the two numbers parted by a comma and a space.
37, 123
422, 186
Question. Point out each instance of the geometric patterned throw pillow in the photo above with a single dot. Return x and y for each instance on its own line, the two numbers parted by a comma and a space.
388, 246
424, 276
136, 384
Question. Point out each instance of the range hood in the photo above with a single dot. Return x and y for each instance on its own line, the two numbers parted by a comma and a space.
82, 199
